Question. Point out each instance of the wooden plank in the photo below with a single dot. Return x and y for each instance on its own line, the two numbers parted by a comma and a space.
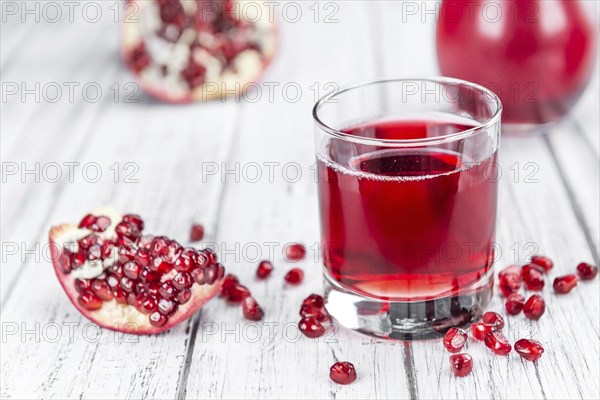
287, 365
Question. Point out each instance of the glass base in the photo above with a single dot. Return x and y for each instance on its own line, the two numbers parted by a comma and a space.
407, 320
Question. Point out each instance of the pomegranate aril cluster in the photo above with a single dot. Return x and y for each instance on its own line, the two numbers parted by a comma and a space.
314, 315
153, 274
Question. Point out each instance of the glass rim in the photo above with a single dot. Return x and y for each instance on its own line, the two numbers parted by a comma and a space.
451, 137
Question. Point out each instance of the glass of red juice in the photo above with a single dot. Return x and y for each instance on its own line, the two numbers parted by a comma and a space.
407, 179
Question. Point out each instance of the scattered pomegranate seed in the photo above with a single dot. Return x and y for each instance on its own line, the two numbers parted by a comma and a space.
493, 320
514, 303
455, 339
533, 278
343, 373
479, 330
294, 276
229, 281
543, 261
564, 284
294, 252
587, 271
196, 233
511, 270
311, 327
461, 364
251, 309
264, 269
534, 307
531, 350
498, 343
314, 306
509, 283
238, 293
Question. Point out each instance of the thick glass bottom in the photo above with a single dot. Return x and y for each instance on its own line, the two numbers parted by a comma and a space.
407, 320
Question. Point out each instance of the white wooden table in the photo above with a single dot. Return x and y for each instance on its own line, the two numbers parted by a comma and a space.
164, 155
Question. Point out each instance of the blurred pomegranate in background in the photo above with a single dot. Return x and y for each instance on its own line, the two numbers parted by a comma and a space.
196, 50
536, 55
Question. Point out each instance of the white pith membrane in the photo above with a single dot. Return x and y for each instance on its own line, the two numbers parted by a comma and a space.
114, 315
171, 47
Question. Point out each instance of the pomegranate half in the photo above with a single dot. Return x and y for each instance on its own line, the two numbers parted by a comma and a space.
197, 50
129, 282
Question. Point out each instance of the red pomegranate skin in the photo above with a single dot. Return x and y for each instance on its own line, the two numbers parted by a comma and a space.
536, 55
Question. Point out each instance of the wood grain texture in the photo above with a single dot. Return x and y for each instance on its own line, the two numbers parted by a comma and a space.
56, 353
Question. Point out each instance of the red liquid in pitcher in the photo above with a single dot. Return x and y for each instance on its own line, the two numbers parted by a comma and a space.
536, 55
406, 224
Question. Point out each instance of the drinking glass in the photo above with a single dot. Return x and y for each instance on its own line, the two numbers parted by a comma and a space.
407, 180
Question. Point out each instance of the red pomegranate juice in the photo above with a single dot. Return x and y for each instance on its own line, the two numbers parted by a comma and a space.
406, 224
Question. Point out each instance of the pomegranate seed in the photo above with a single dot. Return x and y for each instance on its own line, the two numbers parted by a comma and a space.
183, 296
461, 364
509, 283
149, 304
493, 320
127, 252
167, 290
212, 273
533, 278
166, 307
294, 276
142, 258
150, 276
237, 293
220, 271
264, 269
102, 222
135, 220
120, 295
161, 265
534, 307
498, 343
65, 262
252, 310
587, 271
158, 246
182, 281
127, 230
131, 270
211, 256
294, 252
153, 289
112, 280
173, 251
89, 241
343, 373
479, 330
87, 221
511, 270
531, 350
229, 281
102, 290
514, 303
81, 285
89, 300
314, 306
198, 276
126, 284
200, 259
564, 284
543, 261
157, 319
184, 264
196, 233
311, 327
455, 339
